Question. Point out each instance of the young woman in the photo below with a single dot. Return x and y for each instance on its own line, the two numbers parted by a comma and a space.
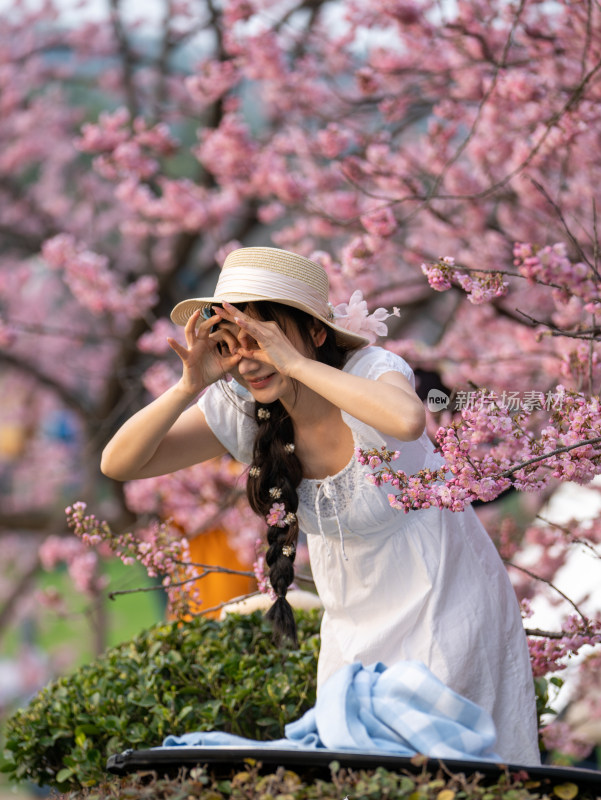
302, 394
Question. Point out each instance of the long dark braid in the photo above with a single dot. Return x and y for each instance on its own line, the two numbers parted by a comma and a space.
276, 471
274, 479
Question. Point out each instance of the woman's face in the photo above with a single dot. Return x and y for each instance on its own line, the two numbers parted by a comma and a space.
263, 381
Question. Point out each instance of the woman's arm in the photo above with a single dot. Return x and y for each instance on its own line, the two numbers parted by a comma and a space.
167, 435
388, 404
163, 437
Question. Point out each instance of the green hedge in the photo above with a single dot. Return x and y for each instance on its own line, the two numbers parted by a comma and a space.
198, 675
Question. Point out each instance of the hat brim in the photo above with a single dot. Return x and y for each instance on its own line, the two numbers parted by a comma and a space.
184, 310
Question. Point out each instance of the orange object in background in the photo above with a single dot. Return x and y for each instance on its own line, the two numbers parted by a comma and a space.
213, 548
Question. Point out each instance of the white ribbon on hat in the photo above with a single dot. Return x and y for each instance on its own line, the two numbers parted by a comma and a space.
271, 286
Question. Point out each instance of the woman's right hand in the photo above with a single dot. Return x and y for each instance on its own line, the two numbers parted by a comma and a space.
204, 360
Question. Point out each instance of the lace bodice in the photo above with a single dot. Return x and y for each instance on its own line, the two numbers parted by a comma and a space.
344, 484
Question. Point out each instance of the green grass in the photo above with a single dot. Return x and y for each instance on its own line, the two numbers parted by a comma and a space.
70, 639
126, 615
74, 633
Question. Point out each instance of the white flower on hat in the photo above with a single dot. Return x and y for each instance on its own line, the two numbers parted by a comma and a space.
355, 317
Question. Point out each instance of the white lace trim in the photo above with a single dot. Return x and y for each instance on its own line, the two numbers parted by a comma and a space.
329, 497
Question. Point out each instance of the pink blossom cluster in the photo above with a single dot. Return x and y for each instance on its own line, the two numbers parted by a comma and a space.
374, 458
201, 498
489, 449
380, 222
551, 655
126, 148
479, 286
211, 80
551, 265
162, 551
130, 155
421, 490
276, 516
82, 564
159, 377
259, 568
229, 151
93, 284
239, 10
334, 139
424, 489
179, 205
559, 736
155, 340
359, 255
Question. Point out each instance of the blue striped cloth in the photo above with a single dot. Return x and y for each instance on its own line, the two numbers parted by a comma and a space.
401, 710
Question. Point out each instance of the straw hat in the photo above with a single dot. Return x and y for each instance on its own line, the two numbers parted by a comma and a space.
251, 274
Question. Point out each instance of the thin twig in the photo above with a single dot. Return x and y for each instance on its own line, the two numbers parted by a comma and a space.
544, 634
590, 361
554, 330
561, 218
229, 602
156, 588
426, 199
209, 568
488, 94
595, 242
552, 585
589, 31
572, 539
128, 60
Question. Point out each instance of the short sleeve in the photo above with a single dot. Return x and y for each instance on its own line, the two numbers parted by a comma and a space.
371, 362
227, 407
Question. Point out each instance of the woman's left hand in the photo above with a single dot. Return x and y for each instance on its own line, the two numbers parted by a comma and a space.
261, 340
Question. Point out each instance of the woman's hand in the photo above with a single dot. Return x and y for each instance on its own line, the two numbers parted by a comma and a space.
204, 360
260, 340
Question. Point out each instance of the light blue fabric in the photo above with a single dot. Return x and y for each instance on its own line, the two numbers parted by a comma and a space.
402, 710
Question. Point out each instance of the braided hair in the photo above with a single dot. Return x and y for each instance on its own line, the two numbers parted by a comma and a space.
276, 470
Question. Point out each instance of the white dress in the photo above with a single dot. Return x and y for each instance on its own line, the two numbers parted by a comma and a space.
428, 585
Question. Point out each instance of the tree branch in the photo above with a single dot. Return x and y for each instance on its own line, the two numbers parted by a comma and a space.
127, 59
506, 473
554, 330
544, 634
30, 370
18, 590
228, 602
552, 585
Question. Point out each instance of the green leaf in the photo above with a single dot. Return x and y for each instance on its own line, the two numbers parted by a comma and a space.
64, 775
184, 713
566, 791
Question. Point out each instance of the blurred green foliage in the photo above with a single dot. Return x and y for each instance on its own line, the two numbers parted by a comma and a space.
172, 678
